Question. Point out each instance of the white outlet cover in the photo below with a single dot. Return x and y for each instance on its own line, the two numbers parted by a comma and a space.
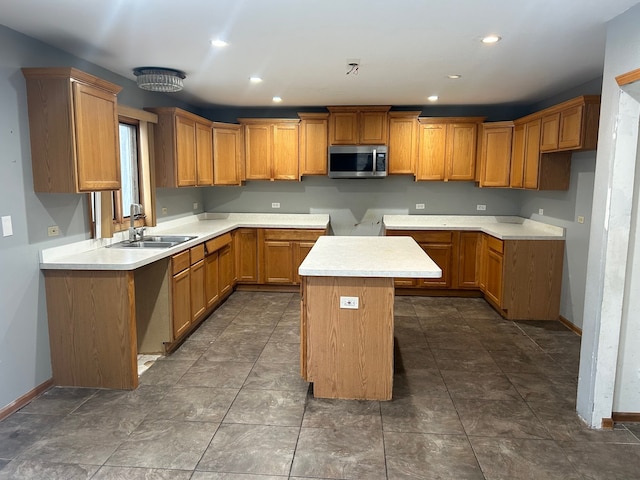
349, 302
7, 227
481, 207
419, 206
541, 211
275, 205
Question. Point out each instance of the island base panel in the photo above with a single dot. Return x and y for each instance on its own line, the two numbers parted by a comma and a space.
349, 353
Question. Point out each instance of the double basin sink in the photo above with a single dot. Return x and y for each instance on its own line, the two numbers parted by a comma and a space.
154, 241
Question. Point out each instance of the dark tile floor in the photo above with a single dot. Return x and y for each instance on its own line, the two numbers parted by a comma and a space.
475, 397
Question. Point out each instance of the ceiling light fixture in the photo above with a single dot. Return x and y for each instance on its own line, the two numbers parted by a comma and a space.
219, 43
277, 99
159, 79
432, 98
255, 79
491, 39
455, 76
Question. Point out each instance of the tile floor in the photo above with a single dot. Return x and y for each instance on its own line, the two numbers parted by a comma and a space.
475, 397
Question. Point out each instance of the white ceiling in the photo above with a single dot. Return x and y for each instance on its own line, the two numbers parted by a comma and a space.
406, 48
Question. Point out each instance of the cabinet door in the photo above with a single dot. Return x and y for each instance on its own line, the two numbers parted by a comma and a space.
431, 156
285, 155
227, 149
198, 298
550, 130
531, 154
278, 261
343, 128
185, 151
211, 279
373, 128
402, 144
442, 255
461, 151
96, 137
181, 303
204, 155
570, 135
516, 176
495, 156
468, 260
258, 151
493, 285
247, 255
226, 270
313, 144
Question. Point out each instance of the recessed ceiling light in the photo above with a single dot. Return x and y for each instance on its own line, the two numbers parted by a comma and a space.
491, 39
277, 99
432, 98
454, 76
255, 79
218, 43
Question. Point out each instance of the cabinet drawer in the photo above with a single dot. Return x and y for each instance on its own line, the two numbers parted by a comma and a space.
495, 244
422, 236
180, 261
293, 235
217, 243
196, 253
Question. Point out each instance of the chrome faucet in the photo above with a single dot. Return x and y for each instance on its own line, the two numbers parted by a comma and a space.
135, 212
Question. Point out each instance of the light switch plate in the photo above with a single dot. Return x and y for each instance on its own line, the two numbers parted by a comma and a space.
349, 302
481, 207
7, 227
275, 205
419, 206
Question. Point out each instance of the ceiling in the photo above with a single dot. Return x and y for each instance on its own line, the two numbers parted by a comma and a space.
302, 48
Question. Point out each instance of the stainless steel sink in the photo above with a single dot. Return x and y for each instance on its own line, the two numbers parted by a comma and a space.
154, 241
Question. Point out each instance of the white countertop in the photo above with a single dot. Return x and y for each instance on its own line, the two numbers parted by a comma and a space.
503, 227
368, 257
93, 254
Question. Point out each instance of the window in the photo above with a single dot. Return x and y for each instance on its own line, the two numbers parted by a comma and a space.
110, 210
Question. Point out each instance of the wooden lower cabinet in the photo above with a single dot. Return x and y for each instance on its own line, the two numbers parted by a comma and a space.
227, 270
212, 280
278, 261
246, 244
282, 251
522, 279
181, 302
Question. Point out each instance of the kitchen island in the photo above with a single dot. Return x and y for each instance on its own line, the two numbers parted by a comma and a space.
346, 341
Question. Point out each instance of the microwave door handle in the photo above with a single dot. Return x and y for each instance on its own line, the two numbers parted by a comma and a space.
375, 160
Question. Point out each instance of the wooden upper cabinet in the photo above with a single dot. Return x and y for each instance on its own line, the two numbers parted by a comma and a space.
313, 141
358, 125
516, 173
403, 142
73, 122
271, 149
572, 125
183, 145
227, 154
532, 134
495, 154
447, 148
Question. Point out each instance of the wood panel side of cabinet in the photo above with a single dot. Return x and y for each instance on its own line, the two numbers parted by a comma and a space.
533, 279
92, 328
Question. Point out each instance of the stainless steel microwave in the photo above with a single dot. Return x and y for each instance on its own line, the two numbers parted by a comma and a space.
357, 161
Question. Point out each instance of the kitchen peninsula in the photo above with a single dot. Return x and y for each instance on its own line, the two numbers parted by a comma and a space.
346, 339
106, 305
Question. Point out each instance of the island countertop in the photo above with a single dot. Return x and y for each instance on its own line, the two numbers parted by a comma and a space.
502, 227
353, 256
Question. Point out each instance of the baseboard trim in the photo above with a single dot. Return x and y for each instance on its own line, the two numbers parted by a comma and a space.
628, 417
607, 424
570, 326
24, 399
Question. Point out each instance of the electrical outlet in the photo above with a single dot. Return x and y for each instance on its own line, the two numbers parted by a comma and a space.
541, 211
275, 205
419, 206
349, 302
580, 219
195, 205
7, 227
53, 231
164, 210
481, 207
